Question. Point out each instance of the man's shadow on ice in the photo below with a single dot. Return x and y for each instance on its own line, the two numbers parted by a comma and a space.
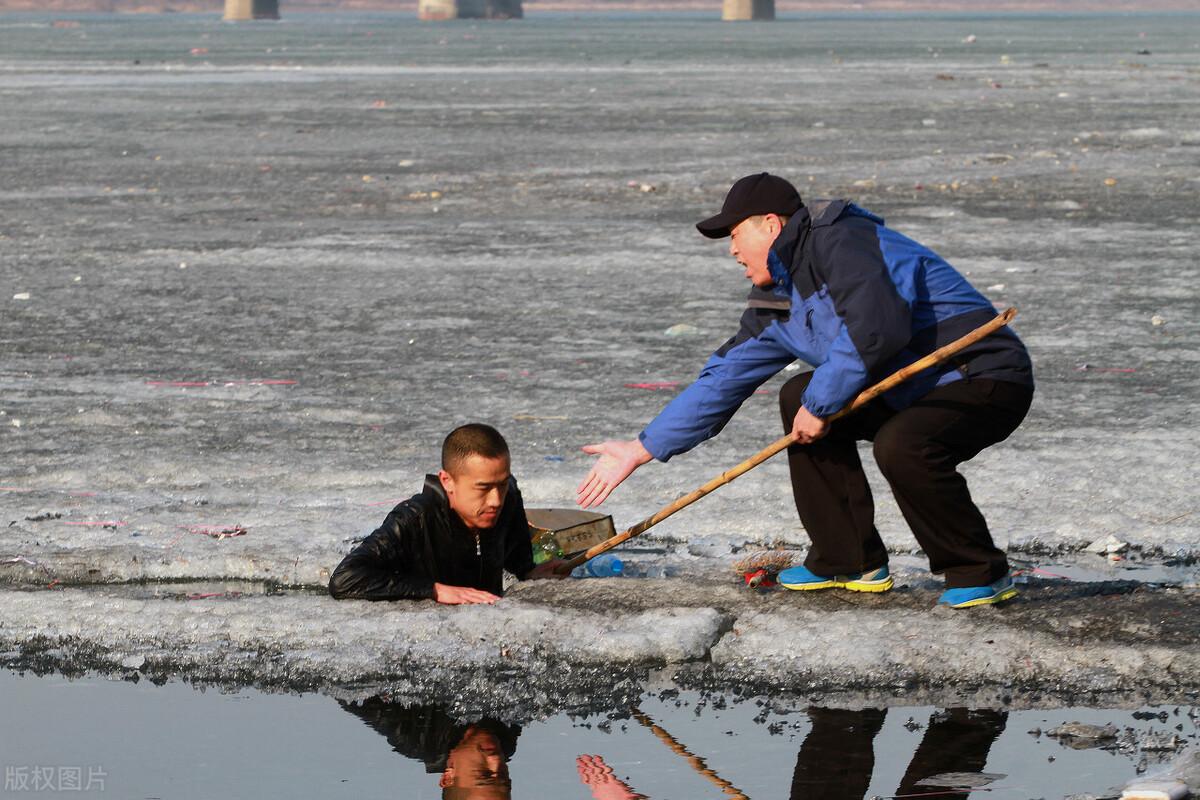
470, 759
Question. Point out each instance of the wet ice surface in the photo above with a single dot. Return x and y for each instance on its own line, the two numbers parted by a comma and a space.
264, 282
577, 644
172, 740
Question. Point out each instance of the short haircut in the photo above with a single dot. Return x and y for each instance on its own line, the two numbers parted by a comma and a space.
472, 439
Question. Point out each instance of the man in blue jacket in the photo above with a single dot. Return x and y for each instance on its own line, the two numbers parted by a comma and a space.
837, 289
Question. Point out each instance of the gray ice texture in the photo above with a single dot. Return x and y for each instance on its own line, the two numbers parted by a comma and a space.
251, 276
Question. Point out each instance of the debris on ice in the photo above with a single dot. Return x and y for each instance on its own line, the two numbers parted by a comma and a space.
1107, 544
1159, 741
1082, 735
1173, 783
1155, 790
966, 780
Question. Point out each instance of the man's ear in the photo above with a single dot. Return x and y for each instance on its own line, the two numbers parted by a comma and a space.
447, 481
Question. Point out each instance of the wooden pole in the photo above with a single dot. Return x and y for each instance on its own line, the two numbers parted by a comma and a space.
895, 379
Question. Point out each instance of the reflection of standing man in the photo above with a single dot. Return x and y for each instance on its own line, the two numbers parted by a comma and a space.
838, 755
472, 758
839, 290
957, 740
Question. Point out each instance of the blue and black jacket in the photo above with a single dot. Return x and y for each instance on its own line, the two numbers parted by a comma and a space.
857, 301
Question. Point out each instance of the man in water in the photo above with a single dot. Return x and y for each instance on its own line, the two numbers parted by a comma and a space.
452, 542
836, 288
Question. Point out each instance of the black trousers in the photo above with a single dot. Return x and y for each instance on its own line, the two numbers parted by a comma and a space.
918, 450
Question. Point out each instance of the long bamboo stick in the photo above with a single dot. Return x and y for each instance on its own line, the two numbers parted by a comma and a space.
867, 395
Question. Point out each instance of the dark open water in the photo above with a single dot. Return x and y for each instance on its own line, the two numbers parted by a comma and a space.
174, 741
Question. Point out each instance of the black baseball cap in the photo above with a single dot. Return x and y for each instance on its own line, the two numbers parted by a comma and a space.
750, 196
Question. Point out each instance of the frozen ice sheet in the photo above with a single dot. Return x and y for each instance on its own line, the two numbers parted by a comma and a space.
258, 288
553, 643
305, 638
887, 647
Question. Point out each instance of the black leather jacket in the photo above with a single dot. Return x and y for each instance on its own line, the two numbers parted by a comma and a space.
426, 733
423, 541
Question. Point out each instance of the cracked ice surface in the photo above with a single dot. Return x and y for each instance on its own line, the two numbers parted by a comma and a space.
223, 322
539, 283
889, 647
309, 640
554, 644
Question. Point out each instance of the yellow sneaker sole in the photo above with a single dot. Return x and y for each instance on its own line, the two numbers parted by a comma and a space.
1007, 594
807, 587
868, 586
834, 583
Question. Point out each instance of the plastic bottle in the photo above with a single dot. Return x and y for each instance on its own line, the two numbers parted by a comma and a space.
545, 547
602, 566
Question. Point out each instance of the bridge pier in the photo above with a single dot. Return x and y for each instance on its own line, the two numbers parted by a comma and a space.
238, 10
748, 9
469, 9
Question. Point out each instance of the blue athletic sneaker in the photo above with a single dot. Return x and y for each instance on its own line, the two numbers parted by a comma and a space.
802, 579
968, 596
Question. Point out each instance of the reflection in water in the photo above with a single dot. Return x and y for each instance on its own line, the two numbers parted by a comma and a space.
471, 757
604, 785
476, 768
838, 755
835, 761
695, 761
957, 740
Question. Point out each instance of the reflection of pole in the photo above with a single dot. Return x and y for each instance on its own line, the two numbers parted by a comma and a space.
696, 761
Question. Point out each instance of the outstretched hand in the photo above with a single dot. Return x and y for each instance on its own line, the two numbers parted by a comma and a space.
617, 462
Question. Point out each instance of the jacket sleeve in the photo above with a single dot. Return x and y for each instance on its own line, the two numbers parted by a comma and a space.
876, 321
518, 551
731, 375
381, 566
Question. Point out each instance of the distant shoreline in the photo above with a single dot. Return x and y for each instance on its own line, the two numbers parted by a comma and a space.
866, 7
